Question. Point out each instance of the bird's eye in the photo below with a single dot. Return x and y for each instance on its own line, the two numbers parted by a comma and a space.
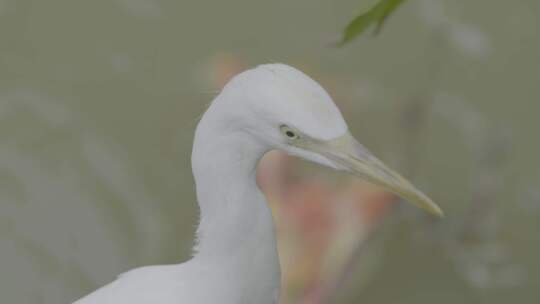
288, 132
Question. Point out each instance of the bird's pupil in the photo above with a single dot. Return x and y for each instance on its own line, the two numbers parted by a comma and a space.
290, 133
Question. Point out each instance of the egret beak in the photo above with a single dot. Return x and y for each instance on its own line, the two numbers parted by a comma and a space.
348, 154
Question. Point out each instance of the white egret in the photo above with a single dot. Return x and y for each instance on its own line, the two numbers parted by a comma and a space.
272, 106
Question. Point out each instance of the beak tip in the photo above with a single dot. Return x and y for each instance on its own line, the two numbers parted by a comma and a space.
438, 212
435, 210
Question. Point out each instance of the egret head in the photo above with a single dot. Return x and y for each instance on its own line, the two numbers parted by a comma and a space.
285, 109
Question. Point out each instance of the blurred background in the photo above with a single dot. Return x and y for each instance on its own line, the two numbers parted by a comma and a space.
99, 101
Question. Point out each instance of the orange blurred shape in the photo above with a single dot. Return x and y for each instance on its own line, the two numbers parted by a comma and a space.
308, 206
369, 202
223, 66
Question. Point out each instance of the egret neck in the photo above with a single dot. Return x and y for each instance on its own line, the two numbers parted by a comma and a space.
236, 230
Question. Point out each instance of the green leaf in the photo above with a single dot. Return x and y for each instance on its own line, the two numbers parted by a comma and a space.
376, 16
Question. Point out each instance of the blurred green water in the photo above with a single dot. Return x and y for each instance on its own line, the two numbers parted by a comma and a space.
99, 100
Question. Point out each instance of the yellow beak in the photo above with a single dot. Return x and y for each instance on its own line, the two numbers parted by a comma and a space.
348, 154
